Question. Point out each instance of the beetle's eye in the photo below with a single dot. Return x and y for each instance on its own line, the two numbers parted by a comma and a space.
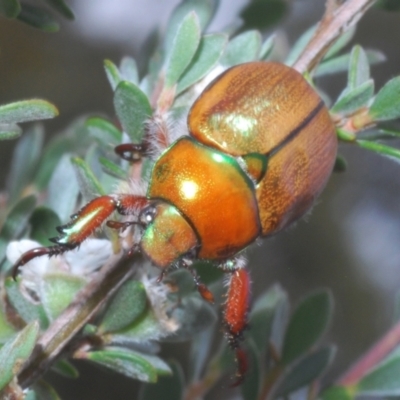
147, 215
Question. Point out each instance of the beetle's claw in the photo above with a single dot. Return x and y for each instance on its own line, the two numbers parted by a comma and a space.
36, 252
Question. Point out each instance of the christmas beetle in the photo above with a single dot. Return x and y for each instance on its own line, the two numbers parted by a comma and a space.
260, 149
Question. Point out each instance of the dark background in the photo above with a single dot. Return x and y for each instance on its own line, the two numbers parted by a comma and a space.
350, 241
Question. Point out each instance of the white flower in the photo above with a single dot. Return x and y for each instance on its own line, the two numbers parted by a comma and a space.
82, 261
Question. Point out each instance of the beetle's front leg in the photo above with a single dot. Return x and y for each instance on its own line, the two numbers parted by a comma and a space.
235, 316
83, 224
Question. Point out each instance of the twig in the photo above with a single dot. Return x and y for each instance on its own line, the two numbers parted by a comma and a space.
375, 355
336, 21
87, 302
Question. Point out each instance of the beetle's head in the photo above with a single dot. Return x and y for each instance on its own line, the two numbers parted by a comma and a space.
167, 235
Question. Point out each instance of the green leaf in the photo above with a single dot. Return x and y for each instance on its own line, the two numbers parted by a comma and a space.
112, 169
9, 8
263, 14
243, 48
133, 109
25, 159
262, 316
340, 164
43, 224
113, 74
42, 391
379, 148
267, 47
66, 369
16, 222
337, 393
300, 45
51, 157
27, 110
305, 371
9, 131
171, 386
129, 70
107, 134
340, 43
307, 324
352, 100
38, 18
127, 305
57, 292
62, 8
16, 351
63, 189
193, 315
341, 63
250, 388
358, 68
206, 57
6, 330
127, 362
386, 105
183, 49
204, 9
27, 311
199, 351
89, 185
383, 380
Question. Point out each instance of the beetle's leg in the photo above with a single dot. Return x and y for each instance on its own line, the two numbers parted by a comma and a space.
235, 317
132, 152
83, 224
203, 290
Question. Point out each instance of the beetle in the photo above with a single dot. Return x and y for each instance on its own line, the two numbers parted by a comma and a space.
260, 149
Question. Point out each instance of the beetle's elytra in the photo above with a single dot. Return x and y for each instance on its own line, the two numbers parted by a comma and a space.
261, 148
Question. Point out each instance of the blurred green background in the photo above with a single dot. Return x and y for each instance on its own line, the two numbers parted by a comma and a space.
350, 242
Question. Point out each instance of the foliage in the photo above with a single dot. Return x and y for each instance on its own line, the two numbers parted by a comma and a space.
285, 346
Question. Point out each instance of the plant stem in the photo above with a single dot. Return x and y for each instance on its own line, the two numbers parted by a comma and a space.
336, 20
375, 355
87, 302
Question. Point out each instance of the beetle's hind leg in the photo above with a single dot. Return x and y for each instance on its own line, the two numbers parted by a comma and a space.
84, 223
236, 310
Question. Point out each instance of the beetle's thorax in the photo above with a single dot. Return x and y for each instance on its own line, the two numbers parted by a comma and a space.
212, 192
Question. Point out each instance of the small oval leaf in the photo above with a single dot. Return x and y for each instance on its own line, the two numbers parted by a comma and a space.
57, 291
127, 305
133, 109
305, 371
183, 49
63, 189
307, 324
207, 55
9, 131
243, 48
127, 362
386, 105
27, 110
113, 74
106, 133
353, 99
16, 351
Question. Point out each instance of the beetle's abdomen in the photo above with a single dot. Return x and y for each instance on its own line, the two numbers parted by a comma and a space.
212, 192
270, 109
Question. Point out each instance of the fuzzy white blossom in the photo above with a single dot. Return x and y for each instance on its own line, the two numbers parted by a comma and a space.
82, 261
